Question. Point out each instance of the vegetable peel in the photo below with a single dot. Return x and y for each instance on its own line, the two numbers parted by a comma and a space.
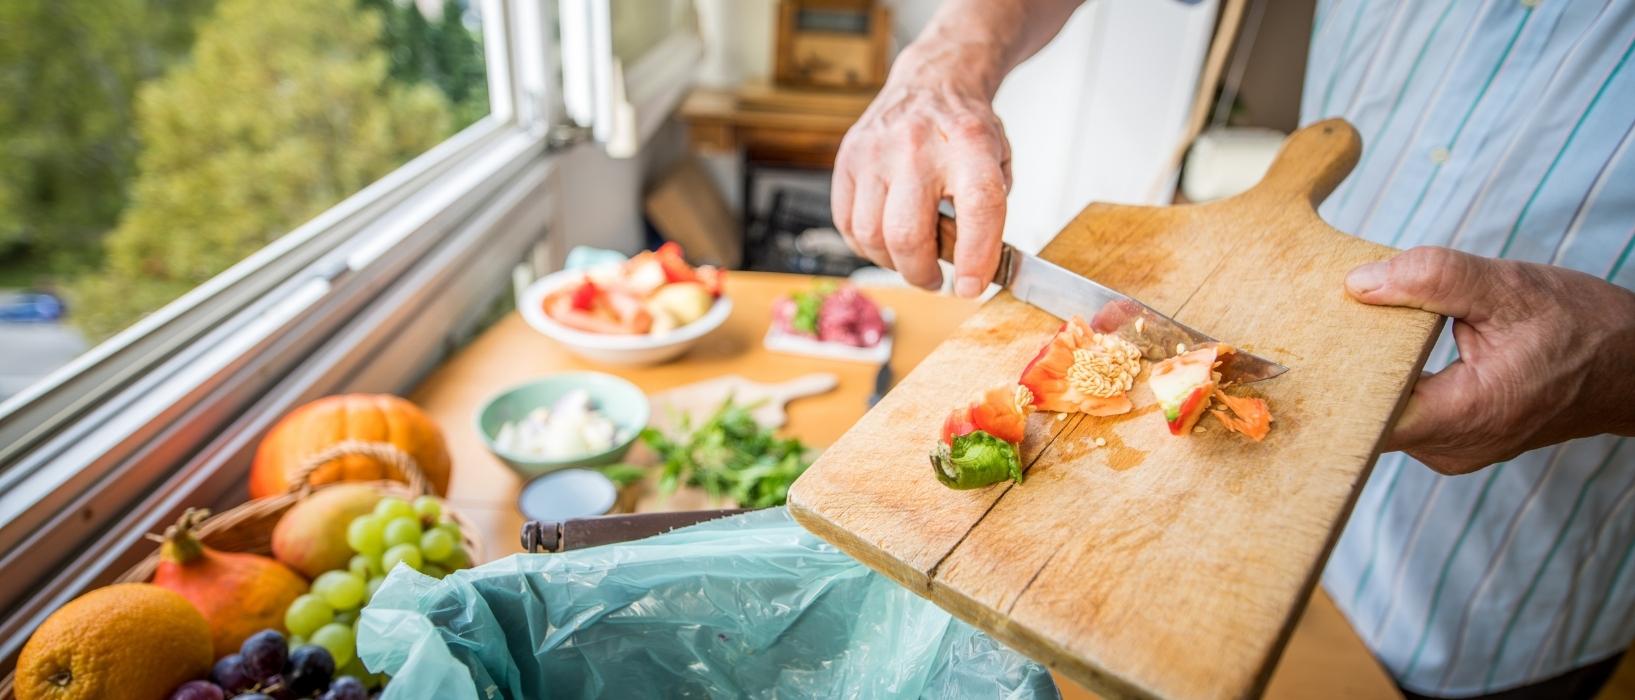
1244, 414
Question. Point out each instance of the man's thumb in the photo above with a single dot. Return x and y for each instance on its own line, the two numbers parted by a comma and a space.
1439, 280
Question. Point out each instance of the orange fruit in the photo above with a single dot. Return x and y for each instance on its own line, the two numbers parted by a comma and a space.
128, 640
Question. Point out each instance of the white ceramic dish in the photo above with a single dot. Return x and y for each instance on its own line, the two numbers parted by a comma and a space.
614, 349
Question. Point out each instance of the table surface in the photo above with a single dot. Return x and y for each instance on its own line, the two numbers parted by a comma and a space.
1324, 656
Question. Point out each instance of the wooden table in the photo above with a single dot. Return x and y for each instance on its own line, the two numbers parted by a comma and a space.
1324, 657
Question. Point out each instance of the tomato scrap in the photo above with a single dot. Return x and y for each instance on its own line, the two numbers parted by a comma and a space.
1001, 412
1244, 414
1082, 371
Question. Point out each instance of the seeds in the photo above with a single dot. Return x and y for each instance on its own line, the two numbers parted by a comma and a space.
1101, 442
1200, 429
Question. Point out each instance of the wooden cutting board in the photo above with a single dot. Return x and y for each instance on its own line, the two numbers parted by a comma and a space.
699, 400
1152, 565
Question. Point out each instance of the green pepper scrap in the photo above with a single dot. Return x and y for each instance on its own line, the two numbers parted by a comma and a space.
977, 459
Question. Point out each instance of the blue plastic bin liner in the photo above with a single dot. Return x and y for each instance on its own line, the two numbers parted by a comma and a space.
748, 606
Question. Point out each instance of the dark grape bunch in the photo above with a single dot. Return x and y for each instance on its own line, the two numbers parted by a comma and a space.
265, 668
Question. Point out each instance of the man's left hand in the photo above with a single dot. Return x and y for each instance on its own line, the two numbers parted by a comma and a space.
1546, 354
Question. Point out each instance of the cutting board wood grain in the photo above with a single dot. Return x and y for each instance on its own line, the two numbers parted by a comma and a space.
1149, 565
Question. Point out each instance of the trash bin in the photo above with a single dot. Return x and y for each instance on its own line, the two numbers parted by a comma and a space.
746, 606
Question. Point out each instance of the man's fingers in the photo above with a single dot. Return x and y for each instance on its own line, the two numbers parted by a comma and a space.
1448, 424
908, 224
1439, 280
841, 190
978, 189
867, 204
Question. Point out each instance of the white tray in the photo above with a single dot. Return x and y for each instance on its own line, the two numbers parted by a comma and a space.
792, 344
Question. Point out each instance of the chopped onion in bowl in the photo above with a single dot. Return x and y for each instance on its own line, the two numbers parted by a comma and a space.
571, 427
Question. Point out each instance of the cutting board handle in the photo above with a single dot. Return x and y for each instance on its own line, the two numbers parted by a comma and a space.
1313, 161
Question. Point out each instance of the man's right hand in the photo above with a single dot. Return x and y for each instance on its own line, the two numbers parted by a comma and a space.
930, 134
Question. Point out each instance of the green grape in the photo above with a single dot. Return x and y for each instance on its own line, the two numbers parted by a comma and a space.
357, 670
374, 585
365, 534
428, 508
435, 571
437, 545
338, 639
341, 589
451, 527
402, 531
296, 640
348, 618
363, 566
306, 614
405, 553
393, 507
460, 559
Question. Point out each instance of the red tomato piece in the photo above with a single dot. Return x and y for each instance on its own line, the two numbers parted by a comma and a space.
1001, 412
675, 266
584, 295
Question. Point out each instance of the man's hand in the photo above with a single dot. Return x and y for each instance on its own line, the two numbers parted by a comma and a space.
932, 134
925, 137
1546, 354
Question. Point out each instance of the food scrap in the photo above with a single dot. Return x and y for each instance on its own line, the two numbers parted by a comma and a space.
1183, 384
979, 441
832, 314
1082, 371
654, 292
1244, 414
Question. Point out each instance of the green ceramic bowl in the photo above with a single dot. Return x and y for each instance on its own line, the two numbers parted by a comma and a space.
616, 398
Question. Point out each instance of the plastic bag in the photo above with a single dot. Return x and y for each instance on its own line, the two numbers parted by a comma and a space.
748, 606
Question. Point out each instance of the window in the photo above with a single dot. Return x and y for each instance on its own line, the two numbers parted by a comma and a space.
152, 145
328, 195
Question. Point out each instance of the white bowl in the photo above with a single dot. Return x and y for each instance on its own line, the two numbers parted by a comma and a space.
644, 349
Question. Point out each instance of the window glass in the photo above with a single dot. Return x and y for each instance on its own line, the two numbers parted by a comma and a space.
640, 25
147, 145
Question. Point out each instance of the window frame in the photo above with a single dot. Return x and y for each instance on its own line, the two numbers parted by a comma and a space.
113, 445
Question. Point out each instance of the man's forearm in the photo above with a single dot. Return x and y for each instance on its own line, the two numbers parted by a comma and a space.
978, 42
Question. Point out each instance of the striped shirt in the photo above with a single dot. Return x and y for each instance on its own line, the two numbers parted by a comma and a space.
1501, 128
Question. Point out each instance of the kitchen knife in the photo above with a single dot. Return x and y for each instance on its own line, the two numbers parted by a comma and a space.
882, 383
1065, 294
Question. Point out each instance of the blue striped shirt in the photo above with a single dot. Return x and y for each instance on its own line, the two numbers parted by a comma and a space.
1502, 128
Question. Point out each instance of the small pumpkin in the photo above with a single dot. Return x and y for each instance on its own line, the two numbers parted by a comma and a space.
369, 418
238, 593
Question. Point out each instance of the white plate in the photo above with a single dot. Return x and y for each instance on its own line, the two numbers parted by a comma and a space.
614, 349
790, 343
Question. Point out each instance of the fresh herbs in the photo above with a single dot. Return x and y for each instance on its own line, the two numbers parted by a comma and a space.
807, 305
729, 456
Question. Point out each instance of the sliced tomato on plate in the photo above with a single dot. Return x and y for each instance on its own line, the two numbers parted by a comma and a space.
675, 266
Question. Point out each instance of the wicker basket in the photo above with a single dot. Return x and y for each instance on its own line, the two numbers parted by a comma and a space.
248, 527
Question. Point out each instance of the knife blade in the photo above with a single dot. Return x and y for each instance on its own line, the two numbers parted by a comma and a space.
1064, 294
